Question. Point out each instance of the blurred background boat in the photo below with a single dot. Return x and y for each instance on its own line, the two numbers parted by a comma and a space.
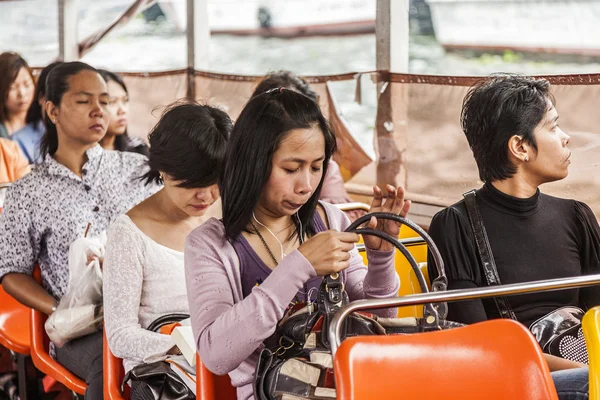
533, 26
291, 18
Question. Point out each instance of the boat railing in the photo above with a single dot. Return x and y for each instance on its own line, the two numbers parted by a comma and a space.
335, 328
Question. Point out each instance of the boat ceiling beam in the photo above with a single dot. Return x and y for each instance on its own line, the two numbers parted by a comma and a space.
67, 30
198, 41
391, 133
392, 32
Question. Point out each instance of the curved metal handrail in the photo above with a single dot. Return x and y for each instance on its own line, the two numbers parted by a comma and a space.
335, 327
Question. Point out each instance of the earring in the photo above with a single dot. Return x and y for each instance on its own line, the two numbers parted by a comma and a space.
526, 158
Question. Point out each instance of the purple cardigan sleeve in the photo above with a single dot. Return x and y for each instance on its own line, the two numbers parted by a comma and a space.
227, 332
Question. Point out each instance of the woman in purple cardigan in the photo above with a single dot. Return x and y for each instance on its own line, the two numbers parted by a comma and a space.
276, 240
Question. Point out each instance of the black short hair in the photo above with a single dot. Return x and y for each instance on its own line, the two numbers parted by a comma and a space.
189, 144
262, 125
494, 110
288, 80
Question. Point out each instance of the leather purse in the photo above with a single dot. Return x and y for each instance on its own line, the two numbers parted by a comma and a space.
297, 361
161, 380
158, 377
559, 332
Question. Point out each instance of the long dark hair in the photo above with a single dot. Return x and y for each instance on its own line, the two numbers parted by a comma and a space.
121, 141
10, 65
189, 143
35, 112
262, 125
288, 80
57, 84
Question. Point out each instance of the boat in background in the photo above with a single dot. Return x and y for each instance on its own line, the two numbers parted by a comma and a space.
290, 18
559, 27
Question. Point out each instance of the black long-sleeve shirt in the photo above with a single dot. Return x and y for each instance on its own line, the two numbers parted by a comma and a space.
542, 237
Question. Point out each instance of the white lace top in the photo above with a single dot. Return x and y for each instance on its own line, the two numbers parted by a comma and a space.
143, 280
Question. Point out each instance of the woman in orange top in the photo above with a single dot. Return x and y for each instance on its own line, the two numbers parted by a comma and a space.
13, 163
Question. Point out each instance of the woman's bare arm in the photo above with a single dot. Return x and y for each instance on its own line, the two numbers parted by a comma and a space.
28, 292
557, 363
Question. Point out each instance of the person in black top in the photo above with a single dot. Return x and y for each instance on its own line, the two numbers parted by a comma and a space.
511, 125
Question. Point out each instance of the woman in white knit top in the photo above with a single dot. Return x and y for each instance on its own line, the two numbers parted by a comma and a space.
143, 268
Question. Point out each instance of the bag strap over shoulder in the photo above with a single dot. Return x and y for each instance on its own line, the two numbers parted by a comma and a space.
485, 253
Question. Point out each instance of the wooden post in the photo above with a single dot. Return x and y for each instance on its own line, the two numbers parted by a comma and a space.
68, 19
198, 41
392, 35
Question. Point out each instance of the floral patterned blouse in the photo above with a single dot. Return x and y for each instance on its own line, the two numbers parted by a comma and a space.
45, 211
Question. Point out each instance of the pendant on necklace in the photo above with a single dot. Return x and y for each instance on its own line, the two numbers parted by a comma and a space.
282, 256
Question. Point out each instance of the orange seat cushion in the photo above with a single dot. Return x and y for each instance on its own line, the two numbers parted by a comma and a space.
491, 360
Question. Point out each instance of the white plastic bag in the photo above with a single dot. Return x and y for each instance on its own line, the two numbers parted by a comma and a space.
80, 312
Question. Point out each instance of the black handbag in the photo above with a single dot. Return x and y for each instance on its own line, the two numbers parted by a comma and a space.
297, 358
559, 332
158, 377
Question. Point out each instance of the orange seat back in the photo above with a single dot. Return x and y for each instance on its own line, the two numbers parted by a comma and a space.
113, 374
491, 360
212, 387
40, 345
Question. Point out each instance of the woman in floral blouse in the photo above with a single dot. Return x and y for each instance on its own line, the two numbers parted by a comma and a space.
78, 183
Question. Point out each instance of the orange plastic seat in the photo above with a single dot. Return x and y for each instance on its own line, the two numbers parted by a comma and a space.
113, 374
40, 345
14, 324
212, 387
496, 359
15, 327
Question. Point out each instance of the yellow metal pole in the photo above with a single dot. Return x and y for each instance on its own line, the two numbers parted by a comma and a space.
591, 331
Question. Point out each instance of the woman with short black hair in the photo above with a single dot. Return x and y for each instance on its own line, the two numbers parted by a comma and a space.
511, 125
116, 137
143, 268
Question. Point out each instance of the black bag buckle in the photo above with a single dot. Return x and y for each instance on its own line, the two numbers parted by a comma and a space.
334, 288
